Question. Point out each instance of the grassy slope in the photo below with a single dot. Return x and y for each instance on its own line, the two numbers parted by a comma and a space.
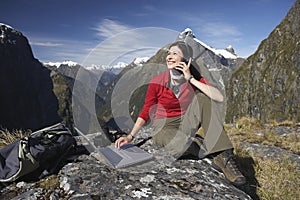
268, 178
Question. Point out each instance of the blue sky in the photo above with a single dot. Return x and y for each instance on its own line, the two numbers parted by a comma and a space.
61, 30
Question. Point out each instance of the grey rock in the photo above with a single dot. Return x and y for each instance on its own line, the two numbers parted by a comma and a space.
271, 152
184, 179
89, 177
161, 178
32, 194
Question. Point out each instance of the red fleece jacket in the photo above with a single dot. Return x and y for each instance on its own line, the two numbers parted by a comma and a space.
161, 101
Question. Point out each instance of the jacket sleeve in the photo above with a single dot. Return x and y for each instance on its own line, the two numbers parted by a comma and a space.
150, 102
203, 80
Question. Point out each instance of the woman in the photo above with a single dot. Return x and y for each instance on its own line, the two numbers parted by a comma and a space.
182, 101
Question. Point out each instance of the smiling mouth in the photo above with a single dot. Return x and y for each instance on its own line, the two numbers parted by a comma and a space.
172, 64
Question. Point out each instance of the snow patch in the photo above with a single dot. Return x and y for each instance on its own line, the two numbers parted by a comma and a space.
220, 52
4, 35
8, 26
141, 60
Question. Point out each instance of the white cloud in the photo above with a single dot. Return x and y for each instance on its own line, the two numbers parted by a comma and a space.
48, 49
121, 42
150, 8
46, 44
127, 45
108, 28
210, 25
219, 29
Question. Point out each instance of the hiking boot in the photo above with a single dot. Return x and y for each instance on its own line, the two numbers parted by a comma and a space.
226, 163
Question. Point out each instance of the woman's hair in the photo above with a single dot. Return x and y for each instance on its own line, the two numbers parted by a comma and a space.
187, 52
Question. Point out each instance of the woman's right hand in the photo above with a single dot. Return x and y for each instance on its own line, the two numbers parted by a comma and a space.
122, 140
125, 140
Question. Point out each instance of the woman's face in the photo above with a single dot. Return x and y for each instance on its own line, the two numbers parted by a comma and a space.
174, 56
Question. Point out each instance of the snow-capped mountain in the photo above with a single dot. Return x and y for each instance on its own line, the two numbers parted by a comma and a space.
119, 65
109, 68
116, 68
57, 64
227, 53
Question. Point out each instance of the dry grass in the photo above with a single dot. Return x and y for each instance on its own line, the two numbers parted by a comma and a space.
250, 130
49, 182
277, 179
7, 137
268, 179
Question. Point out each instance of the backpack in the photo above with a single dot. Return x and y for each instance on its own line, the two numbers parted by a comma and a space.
40, 154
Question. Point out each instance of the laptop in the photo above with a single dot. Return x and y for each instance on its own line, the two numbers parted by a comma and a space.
125, 156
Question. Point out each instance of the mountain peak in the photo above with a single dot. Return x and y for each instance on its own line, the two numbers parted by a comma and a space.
8, 26
227, 53
8, 34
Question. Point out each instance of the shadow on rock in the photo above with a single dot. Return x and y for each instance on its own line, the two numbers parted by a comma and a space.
247, 168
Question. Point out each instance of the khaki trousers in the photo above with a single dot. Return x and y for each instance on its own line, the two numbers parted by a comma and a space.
177, 134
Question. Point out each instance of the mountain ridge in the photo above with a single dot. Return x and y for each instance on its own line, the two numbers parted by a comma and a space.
266, 86
27, 100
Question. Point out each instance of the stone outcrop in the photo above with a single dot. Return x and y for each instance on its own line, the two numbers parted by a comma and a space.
161, 178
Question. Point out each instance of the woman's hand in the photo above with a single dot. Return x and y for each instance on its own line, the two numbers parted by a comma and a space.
123, 140
210, 91
185, 68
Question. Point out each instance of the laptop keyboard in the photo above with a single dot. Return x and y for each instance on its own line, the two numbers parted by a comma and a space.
114, 157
